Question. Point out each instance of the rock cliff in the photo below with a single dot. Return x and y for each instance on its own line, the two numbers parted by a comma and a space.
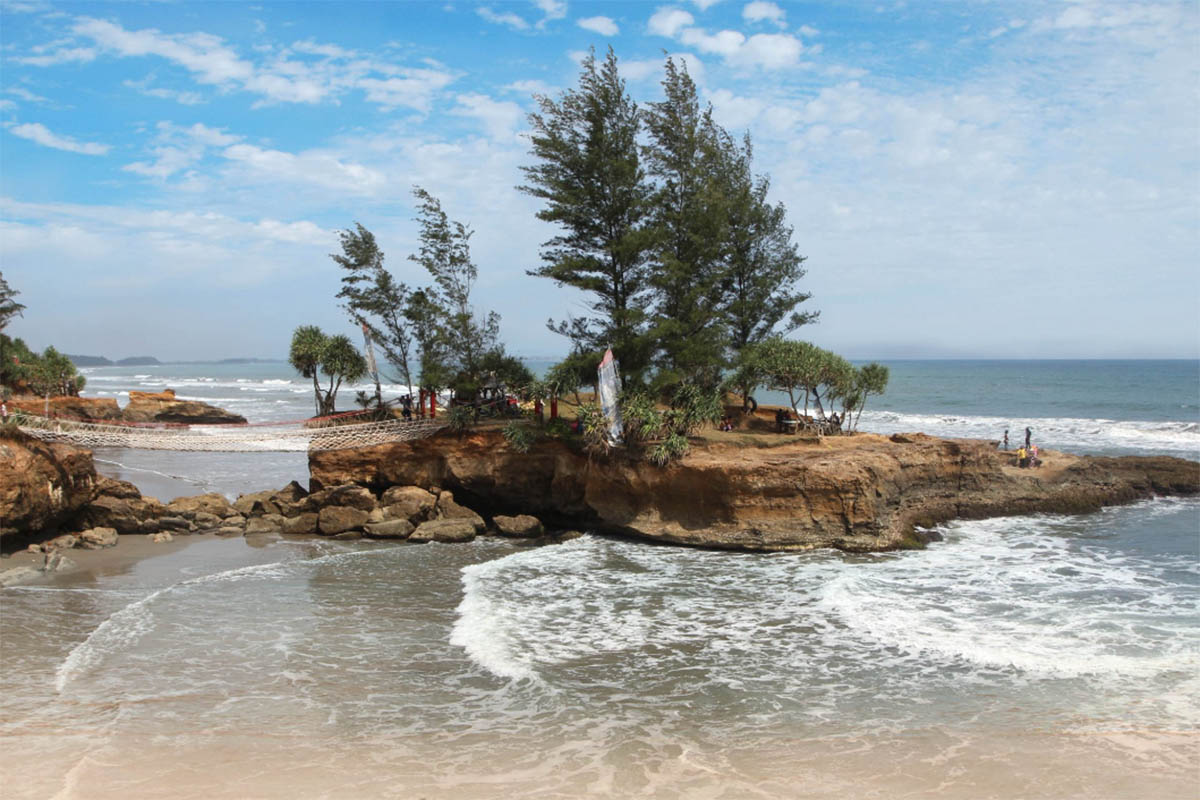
859, 493
41, 485
88, 408
163, 407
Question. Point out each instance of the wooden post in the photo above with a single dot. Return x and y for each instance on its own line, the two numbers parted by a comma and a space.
554, 407
432, 405
421, 405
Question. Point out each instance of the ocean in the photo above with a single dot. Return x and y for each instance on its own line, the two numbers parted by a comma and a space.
1035, 657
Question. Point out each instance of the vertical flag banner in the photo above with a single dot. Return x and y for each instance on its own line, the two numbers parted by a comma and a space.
610, 389
371, 368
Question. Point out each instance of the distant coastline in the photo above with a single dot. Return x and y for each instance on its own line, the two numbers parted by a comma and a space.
151, 361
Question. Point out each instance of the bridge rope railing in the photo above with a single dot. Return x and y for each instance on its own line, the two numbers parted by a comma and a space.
227, 438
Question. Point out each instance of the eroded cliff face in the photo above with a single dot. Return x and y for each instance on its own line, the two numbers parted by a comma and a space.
855, 493
42, 485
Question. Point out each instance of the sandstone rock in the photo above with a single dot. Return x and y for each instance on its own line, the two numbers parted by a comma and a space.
415, 502
348, 535
114, 512
520, 525
64, 542
270, 523
158, 538
333, 520
163, 407
237, 520
96, 538
256, 504
176, 524
85, 408
351, 496
111, 487
42, 486
566, 536
204, 520
392, 529
292, 493
228, 530
304, 523
444, 530
448, 508
855, 493
211, 503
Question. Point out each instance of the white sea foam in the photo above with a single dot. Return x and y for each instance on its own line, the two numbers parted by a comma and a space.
1066, 433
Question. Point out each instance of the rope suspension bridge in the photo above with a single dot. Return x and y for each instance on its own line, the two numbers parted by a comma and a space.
327, 433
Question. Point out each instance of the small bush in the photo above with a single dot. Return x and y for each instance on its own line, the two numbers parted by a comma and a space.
460, 418
672, 448
594, 426
521, 436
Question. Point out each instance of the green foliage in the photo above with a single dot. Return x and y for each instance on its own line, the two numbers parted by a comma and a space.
870, 379
48, 373
673, 447
458, 348
460, 418
558, 428
521, 436
9, 307
594, 426
372, 297
312, 352
641, 420
589, 174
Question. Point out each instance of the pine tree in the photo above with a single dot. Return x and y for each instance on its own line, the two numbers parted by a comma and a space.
764, 265
372, 297
9, 307
689, 275
589, 174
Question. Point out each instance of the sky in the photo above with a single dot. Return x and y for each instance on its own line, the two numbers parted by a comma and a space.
966, 179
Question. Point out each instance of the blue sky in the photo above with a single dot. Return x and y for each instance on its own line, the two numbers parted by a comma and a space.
967, 179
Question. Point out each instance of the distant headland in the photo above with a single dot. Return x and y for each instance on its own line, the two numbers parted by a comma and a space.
151, 361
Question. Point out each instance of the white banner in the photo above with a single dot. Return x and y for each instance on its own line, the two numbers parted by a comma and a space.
610, 390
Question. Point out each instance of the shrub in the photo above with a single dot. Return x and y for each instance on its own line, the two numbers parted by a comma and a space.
460, 418
521, 436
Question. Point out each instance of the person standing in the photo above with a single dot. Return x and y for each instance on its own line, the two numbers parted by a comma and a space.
1028, 433
1006, 438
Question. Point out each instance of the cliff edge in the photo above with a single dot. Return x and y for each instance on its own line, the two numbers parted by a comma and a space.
858, 493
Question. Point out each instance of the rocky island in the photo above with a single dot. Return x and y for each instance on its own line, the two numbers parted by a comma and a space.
858, 493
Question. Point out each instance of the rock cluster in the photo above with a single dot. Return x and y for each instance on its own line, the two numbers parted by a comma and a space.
163, 407
143, 407
859, 493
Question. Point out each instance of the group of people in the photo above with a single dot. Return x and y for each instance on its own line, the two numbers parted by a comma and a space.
1027, 455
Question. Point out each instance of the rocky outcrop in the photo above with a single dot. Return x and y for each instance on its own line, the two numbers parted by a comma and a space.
85, 408
42, 486
859, 493
163, 407
522, 525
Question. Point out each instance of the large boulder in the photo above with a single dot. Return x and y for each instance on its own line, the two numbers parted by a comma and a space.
349, 495
96, 538
301, 523
444, 530
410, 502
338, 519
391, 529
256, 504
211, 503
448, 508
124, 515
521, 525
42, 486
163, 407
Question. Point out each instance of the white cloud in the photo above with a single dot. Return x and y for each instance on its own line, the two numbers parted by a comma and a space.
36, 132
601, 25
306, 72
499, 117
760, 11
7, 105
553, 9
669, 21
176, 149
765, 50
530, 87
311, 167
705, 5
507, 18
26, 95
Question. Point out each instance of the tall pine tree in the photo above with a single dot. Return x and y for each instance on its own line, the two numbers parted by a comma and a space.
589, 175
689, 275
